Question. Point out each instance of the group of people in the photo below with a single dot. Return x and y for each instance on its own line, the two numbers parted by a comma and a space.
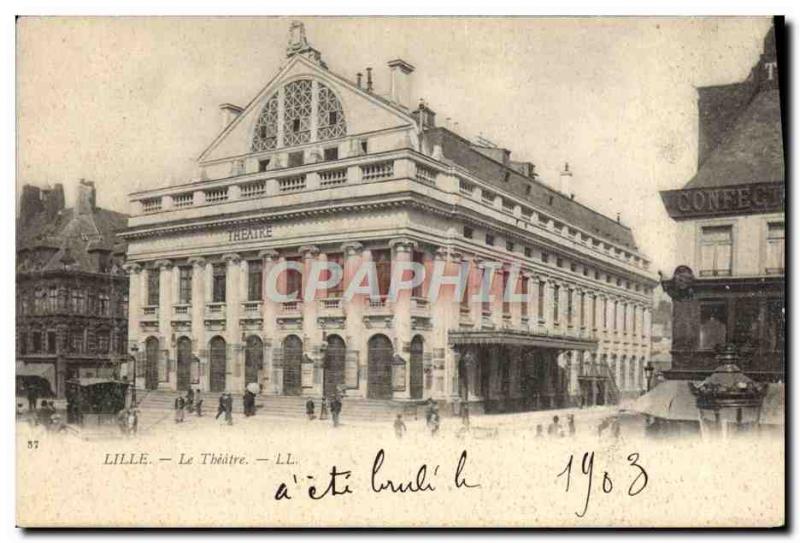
44, 414
191, 403
225, 407
335, 409
556, 429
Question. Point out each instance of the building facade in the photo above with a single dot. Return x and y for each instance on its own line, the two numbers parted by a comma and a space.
730, 286
321, 169
72, 291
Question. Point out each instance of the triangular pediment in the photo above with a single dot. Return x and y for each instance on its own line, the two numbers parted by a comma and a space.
364, 112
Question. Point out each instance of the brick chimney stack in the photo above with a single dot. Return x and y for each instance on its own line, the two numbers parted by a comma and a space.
87, 198
565, 180
400, 82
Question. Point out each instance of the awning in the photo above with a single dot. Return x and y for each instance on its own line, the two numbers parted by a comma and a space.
92, 381
670, 400
519, 338
32, 370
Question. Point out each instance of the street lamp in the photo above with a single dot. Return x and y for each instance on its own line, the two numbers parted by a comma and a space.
648, 374
134, 352
728, 396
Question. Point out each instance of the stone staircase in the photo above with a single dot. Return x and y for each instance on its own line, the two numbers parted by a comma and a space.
282, 406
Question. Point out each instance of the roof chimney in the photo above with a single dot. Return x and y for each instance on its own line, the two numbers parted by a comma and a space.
565, 180
425, 116
400, 82
87, 198
358, 79
229, 113
369, 79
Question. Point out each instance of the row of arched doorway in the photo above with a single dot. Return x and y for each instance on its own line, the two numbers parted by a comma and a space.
380, 359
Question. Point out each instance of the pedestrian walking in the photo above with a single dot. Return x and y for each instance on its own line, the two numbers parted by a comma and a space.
431, 408
571, 424
399, 426
323, 408
554, 428
539, 430
198, 408
180, 405
336, 409
310, 409
434, 423
465, 415
221, 407
228, 408
190, 400
32, 398
133, 421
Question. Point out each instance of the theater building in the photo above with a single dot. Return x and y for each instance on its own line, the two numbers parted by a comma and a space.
72, 292
319, 168
730, 286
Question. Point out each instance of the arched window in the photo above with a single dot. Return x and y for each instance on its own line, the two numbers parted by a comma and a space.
266, 133
330, 117
296, 122
297, 113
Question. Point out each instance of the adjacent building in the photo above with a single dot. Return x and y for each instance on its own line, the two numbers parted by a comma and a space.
730, 286
322, 168
72, 292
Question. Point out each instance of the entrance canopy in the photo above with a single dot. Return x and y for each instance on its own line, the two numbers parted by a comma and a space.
520, 339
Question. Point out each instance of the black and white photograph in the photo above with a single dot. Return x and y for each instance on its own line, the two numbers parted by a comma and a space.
400, 272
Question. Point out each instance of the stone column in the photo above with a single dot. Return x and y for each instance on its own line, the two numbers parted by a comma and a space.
270, 314
401, 255
134, 313
312, 335
354, 312
164, 268
199, 266
234, 379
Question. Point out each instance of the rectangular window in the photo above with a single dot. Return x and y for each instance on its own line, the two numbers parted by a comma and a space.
51, 342
775, 325
624, 317
263, 164
570, 306
331, 153
489, 239
254, 280
22, 343
556, 294
713, 324
418, 259
775, 247
52, 298
383, 265
336, 290
364, 147
294, 278
716, 247
581, 308
605, 313
594, 312
36, 342
153, 286
616, 316
185, 285
510, 246
295, 159
528, 252
103, 342
218, 283
524, 293
506, 303
540, 300
103, 304
486, 305
468, 232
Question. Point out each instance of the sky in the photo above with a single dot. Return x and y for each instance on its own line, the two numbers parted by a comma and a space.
130, 103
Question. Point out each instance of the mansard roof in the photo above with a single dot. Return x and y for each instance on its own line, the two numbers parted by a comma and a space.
462, 153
